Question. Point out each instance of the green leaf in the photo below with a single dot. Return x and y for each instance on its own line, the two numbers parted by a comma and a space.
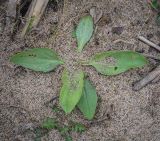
116, 62
64, 130
155, 4
84, 31
37, 59
88, 101
49, 124
68, 138
78, 127
71, 90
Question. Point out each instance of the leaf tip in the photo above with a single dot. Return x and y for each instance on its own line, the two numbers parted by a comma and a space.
12, 59
79, 49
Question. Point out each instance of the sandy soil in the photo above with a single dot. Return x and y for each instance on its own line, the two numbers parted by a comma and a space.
132, 116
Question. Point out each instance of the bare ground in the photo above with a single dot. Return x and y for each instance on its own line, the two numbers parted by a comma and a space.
132, 116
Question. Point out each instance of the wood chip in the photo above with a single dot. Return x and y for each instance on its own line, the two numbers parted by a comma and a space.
34, 14
11, 11
149, 43
147, 79
153, 76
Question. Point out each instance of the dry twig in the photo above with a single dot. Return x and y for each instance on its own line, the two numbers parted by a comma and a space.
147, 79
34, 14
153, 75
11, 11
149, 43
156, 79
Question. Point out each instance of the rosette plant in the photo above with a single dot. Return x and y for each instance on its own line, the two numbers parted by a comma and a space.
76, 90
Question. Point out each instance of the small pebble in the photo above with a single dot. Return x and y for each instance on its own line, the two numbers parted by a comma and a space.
117, 30
149, 36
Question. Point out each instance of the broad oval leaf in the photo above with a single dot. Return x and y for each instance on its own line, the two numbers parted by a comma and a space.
88, 101
37, 59
84, 31
116, 62
71, 90
155, 4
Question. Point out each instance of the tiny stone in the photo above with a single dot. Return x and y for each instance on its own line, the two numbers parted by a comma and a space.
115, 10
117, 30
97, 41
140, 50
149, 36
